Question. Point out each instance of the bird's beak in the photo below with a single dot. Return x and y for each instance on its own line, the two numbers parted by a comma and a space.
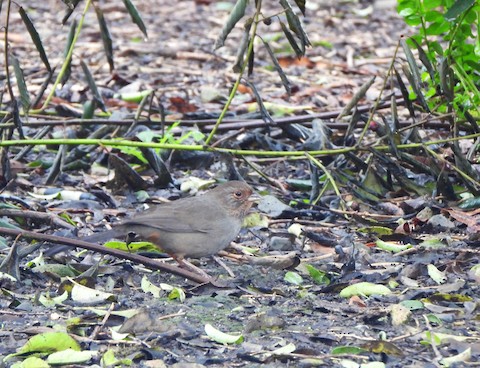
255, 198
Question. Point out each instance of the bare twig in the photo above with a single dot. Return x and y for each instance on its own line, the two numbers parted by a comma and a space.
97, 328
150, 263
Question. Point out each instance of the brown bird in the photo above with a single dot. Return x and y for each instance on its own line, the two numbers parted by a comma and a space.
191, 227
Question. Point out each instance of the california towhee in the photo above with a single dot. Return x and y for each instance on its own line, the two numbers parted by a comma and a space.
190, 227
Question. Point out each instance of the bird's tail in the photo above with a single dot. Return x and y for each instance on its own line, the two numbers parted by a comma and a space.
100, 237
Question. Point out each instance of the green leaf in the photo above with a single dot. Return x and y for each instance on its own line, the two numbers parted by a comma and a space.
278, 68
32, 362
432, 318
460, 7
93, 86
70, 357
255, 219
134, 96
414, 76
443, 338
89, 109
108, 359
437, 47
236, 14
293, 278
242, 47
407, 12
177, 293
301, 5
9, 225
365, 289
318, 276
404, 91
412, 304
68, 45
295, 24
263, 110
135, 15
424, 59
392, 247
35, 38
437, 28
377, 230
149, 287
221, 337
85, 295
407, 4
436, 275
291, 40
22, 87
431, 4
131, 247
349, 350
434, 16
49, 342
106, 38
413, 20
60, 270
432, 243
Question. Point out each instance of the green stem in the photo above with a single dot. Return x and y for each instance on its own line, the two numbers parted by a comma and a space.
233, 92
467, 83
453, 34
451, 165
5, 47
329, 177
239, 152
377, 102
66, 62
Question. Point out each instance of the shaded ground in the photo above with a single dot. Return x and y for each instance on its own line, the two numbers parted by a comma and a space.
285, 320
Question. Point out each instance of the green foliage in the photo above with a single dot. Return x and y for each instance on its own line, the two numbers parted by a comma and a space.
167, 138
291, 26
318, 276
448, 46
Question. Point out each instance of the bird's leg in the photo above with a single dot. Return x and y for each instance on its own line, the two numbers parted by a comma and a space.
130, 238
184, 263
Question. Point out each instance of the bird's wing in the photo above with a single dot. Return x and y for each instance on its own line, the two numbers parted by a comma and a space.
181, 218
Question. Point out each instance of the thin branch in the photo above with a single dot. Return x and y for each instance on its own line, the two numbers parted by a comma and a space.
150, 263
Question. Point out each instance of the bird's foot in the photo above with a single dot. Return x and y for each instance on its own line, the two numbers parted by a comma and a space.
193, 268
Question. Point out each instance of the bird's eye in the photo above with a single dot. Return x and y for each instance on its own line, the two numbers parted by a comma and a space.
238, 194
